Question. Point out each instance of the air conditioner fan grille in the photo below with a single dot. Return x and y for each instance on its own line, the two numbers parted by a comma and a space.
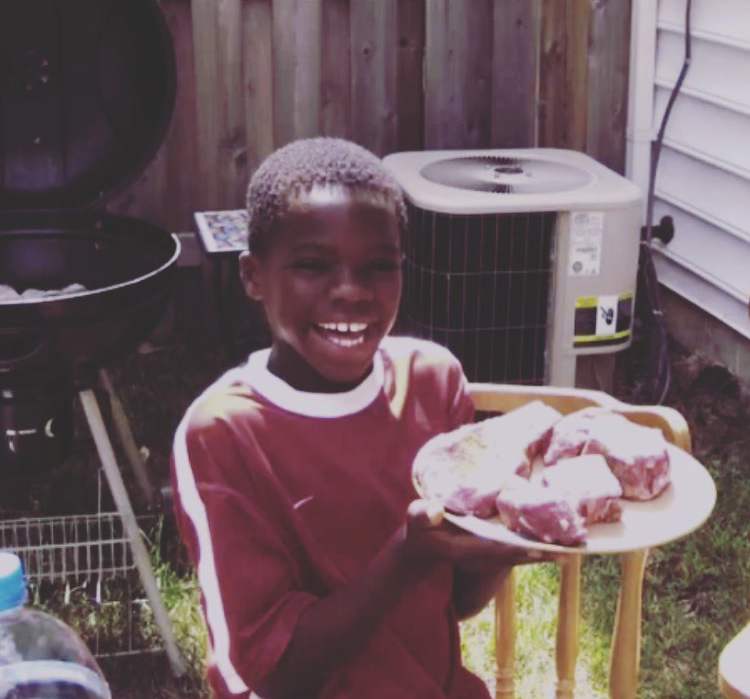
505, 175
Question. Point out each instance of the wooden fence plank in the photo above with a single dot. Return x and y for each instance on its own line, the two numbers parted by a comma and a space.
579, 29
515, 72
563, 81
181, 152
608, 71
232, 175
553, 98
217, 32
296, 58
205, 41
457, 74
257, 69
409, 71
373, 38
335, 72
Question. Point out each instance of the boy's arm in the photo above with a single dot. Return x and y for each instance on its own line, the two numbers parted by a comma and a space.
474, 588
336, 628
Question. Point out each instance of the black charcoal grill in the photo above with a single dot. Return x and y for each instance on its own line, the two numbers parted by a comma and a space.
87, 90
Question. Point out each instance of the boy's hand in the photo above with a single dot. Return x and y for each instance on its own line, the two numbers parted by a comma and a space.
429, 536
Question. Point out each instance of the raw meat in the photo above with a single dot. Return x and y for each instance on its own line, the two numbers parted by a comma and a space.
539, 512
636, 455
587, 481
529, 426
476, 493
570, 434
464, 471
466, 468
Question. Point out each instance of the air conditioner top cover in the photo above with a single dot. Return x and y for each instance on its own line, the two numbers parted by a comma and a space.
507, 180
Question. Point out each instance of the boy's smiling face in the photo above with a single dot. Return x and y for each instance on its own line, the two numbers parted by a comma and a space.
330, 283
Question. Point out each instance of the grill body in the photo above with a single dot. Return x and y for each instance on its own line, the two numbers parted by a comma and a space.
88, 95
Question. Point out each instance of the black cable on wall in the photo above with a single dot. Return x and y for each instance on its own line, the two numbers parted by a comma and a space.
658, 381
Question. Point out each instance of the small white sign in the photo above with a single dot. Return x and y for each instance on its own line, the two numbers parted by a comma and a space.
586, 228
606, 315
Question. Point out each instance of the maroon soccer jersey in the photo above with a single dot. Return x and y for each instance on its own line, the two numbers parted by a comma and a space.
282, 496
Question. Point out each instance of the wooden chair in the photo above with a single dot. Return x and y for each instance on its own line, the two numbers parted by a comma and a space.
625, 649
734, 667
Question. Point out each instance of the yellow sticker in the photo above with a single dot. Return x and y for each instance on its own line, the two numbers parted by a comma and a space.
605, 319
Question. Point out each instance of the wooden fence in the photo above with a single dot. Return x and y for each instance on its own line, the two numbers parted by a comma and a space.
390, 74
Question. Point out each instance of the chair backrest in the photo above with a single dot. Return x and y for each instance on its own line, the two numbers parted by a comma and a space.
504, 397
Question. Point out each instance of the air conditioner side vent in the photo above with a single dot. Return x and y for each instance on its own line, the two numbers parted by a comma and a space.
480, 285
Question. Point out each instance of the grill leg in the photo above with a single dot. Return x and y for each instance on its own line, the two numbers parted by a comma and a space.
122, 426
125, 508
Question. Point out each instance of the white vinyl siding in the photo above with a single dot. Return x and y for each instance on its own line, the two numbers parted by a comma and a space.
703, 180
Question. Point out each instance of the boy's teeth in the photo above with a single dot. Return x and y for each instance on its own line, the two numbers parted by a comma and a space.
347, 342
344, 327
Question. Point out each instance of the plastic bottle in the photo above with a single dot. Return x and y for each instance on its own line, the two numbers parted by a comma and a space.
40, 656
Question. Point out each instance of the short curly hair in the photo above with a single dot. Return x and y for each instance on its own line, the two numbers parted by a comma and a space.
291, 172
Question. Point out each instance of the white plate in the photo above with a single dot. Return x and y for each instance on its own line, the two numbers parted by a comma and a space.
683, 507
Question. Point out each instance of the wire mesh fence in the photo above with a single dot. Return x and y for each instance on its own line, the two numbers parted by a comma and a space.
81, 568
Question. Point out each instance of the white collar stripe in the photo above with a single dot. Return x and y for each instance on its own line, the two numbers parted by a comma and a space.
322, 405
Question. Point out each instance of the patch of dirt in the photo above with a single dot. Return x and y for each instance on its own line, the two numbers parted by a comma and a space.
713, 402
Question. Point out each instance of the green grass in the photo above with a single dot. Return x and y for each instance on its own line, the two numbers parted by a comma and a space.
181, 596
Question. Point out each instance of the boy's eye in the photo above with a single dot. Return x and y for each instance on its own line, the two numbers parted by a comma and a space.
312, 264
385, 264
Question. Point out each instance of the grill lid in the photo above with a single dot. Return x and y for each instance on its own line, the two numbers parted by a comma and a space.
87, 92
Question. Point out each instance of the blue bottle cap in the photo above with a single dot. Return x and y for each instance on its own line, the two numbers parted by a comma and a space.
12, 581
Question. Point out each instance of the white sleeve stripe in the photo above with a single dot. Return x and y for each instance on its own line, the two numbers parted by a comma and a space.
209, 582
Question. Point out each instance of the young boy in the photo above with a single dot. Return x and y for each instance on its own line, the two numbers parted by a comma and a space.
321, 573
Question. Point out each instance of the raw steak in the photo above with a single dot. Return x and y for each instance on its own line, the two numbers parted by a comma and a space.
571, 433
464, 471
530, 427
587, 481
539, 512
466, 468
637, 455
476, 494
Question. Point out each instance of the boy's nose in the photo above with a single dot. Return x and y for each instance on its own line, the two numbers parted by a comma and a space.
351, 285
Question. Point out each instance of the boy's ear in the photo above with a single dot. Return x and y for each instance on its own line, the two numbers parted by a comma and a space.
250, 275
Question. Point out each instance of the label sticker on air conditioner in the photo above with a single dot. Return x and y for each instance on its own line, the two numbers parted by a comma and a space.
586, 230
603, 320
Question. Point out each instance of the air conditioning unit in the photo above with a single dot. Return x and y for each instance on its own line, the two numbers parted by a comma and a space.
518, 260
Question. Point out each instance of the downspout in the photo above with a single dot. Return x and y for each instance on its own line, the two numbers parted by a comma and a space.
640, 130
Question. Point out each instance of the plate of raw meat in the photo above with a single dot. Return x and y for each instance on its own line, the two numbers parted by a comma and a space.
591, 481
